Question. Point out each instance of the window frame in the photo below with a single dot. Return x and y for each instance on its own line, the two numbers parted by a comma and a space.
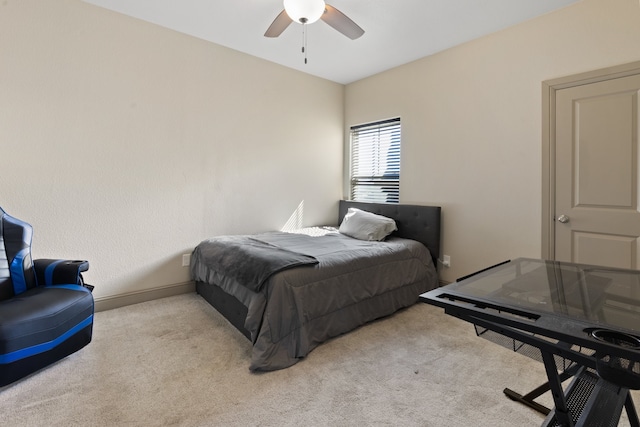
374, 147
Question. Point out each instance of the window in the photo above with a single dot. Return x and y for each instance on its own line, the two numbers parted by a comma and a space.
375, 162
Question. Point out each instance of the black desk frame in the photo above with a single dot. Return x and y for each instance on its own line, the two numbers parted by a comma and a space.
519, 326
561, 413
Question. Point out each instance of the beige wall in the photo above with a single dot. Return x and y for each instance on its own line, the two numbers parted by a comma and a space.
127, 144
471, 123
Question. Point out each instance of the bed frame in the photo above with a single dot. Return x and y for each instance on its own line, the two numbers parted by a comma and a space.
421, 223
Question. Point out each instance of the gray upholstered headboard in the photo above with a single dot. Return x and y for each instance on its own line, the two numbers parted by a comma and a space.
421, 223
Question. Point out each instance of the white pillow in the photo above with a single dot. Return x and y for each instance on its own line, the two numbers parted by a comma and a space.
366, 225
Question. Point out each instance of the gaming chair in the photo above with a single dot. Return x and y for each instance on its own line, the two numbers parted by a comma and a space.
46, 309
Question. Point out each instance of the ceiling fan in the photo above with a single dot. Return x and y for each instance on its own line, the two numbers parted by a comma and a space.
309, 11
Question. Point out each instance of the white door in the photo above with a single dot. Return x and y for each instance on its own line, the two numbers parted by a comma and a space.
597, 218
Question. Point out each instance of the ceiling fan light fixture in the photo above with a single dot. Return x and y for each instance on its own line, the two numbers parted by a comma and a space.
304, 11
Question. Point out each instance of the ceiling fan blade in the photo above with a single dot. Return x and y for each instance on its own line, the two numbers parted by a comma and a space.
278, 25
341, 22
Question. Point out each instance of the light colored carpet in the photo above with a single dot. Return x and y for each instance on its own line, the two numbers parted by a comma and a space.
176, 361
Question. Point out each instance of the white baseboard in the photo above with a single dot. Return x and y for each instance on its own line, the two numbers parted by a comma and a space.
111, 302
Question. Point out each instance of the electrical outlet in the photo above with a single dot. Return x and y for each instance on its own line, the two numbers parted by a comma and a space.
186, 260
446, 261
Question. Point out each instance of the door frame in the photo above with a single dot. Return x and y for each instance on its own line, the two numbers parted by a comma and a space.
549, 89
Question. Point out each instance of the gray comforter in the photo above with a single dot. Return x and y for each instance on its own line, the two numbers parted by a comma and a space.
247, 261
353, 282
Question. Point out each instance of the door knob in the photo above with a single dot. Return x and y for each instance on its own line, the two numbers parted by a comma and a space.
563, 219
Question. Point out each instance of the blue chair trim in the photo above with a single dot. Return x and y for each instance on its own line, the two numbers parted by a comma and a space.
72, 287
48, 272
17, 272
41, 348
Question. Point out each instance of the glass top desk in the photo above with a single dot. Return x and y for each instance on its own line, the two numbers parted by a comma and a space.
581, 321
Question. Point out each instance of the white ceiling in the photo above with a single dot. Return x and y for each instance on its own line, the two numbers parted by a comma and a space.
396, 31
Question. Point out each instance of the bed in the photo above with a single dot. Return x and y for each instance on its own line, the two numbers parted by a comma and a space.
304, 288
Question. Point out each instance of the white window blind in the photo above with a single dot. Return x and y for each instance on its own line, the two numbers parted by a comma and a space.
375, 162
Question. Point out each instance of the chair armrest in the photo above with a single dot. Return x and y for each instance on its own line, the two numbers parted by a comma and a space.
51, 272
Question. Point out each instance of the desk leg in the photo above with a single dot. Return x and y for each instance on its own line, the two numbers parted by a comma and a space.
631, 411
555, 385
529, 398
